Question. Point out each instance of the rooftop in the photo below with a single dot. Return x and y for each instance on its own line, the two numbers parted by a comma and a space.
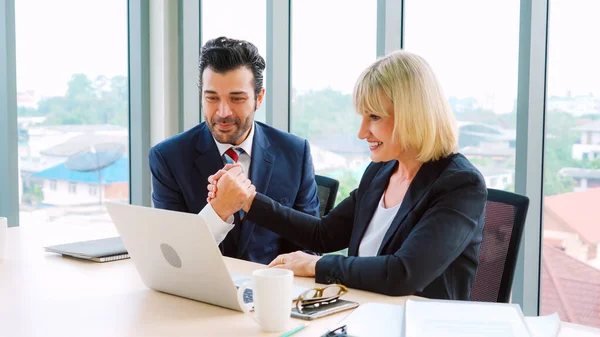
85, 128
487, 131
488, 151
578, 211
343, 144
569, 287
114, 173
593, 126
487, 171
83, 142
576, 172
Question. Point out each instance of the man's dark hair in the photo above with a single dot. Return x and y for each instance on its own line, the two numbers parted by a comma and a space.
223, 54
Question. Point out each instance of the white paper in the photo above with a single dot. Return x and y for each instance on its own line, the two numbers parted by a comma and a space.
425, 318
456, 319
574, 330
374, 319
543, 326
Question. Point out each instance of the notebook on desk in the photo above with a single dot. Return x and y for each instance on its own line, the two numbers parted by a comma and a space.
102, 250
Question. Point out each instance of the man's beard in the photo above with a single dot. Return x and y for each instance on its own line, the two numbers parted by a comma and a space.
233, 137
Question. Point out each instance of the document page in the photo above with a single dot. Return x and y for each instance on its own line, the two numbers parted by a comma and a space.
575, 330
543, 326
374, 319
425, 318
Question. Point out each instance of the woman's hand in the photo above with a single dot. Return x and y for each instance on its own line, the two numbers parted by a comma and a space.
299, 262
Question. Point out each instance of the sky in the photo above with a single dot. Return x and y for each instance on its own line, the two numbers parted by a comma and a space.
472, 45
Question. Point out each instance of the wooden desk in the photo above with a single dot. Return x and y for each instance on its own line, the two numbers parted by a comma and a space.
45, 294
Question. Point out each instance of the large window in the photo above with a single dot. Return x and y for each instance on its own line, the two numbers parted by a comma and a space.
326, 61
72, 96
473, 46
238, 19
571, 238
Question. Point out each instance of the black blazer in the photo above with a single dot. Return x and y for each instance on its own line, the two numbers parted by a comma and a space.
430, 249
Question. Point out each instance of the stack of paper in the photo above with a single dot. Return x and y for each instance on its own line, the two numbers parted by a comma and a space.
375, 319
425, 318
543, 326
574, 330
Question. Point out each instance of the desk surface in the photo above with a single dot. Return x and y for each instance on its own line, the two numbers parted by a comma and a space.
45, 294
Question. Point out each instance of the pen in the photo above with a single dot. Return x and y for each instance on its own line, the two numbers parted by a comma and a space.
293, 331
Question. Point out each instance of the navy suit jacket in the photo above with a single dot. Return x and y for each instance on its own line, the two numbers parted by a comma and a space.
281, 167
431, 248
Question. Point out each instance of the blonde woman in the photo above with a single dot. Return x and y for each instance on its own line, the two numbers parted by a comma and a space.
414, 224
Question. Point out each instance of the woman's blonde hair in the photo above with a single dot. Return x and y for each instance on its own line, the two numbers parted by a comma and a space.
423, 119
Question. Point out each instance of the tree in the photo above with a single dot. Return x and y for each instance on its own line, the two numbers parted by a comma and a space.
27, 112
478, 115
591, 164
557, 157
98, 101
80, 87
481, 162
52, 106
558, 143
348, 183
323, 113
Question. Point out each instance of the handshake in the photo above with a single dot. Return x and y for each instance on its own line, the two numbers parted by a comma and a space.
230, 190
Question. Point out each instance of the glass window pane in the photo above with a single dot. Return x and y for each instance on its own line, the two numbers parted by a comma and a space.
326, 61
238, 19
570, 278
72, 96
472, 46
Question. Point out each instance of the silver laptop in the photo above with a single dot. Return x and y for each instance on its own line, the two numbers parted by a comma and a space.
175, 253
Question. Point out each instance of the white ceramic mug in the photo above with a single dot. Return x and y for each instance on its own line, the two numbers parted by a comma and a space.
3, 229
272, 293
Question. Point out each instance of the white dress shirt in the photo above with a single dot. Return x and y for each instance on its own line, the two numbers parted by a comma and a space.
217, 226
379, 225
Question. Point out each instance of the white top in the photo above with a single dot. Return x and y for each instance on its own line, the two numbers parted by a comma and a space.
217, 226
380, 223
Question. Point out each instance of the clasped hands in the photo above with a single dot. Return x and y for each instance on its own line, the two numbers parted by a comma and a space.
235, 191
230, 190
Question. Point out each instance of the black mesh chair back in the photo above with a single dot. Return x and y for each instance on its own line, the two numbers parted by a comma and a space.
327, 191
505, 215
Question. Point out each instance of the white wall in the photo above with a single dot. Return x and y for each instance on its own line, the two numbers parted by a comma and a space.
499, 181
573, 246
61, 195
581, 151
596, 138
590, 138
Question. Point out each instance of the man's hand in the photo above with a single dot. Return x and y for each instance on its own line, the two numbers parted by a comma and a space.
213, 179
299, 262
234, 191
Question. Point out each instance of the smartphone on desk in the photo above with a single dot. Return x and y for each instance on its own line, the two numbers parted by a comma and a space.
311, 313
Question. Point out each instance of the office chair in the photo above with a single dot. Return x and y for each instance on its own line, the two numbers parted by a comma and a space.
505, 214
327, 191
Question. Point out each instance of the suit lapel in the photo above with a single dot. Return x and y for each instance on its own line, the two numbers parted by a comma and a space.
368, 205
209, 160
422, 182
261, 168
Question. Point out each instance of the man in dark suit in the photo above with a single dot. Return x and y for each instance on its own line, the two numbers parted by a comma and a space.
279, 164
